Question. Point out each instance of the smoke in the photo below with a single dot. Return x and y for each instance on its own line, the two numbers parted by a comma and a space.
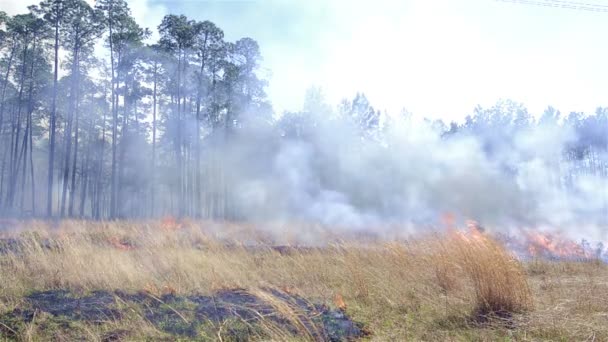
410, 174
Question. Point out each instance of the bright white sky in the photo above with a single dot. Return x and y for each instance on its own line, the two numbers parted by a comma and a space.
436, 58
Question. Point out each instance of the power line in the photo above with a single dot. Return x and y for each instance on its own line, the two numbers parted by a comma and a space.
561, 4
573, 5
577, 3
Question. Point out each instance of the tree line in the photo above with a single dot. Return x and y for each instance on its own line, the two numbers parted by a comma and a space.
106, 124
124, 128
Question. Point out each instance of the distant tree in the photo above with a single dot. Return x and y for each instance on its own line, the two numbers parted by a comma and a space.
209, 38
362, 114
154, 57
178, 35
550, 116
301, 125
10, 42
54, 12
28, 31
82, 26
116, 12
245, 90
315, 102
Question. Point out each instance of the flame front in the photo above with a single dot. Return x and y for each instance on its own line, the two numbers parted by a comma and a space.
531, 243
537, 244
553, 245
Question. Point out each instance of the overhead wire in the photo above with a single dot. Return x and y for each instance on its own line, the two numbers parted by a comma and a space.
563, 4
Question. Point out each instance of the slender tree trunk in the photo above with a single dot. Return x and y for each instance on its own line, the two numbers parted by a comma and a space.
83, 188
179, 132
68, 132
114, 120
10, 147
198, 136
75, 161
2, 104
98, 187
24, 151
2, 172
153, 169
32, 168
49, 205
4, 86
85, 174
14, 160
124, 139
198, 187
28, 128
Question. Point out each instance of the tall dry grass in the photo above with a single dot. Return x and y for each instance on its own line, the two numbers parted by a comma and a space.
498, 279
424, 280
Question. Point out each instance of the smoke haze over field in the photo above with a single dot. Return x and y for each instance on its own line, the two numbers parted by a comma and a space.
414, 173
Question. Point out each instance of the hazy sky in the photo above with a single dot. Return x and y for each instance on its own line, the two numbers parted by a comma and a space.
437, 58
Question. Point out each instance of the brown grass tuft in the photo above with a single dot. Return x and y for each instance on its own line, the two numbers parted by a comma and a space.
497, 279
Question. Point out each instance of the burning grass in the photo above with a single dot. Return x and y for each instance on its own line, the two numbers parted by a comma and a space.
456, 286
498, 279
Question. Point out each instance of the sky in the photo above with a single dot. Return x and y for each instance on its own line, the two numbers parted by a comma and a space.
433, 58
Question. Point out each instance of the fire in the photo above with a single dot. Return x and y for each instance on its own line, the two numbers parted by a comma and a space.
339, 302
170, 223
473, 234
555, 246
537, 244
121, 244
448, 220
529, 243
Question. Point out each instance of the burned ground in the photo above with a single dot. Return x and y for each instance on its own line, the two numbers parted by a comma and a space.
240, 311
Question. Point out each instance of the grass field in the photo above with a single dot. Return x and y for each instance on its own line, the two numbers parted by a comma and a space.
453, 286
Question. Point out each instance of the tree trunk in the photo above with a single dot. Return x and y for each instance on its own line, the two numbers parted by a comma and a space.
85, 174
198, 136
14, 160
153, 169
27, 138
75, 161
124, 139
98, 186
49, 205
2, 104
114, 123
68, 133
179, 132
32, 169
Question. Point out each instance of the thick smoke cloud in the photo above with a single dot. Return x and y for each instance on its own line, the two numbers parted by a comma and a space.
411, 174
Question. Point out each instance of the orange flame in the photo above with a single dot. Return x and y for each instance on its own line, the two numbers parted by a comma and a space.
170, 223
448, 220
339, 302
528, 243
121, 244
545, 244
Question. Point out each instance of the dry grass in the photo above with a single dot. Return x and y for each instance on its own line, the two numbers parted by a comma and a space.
443, 287
498, 279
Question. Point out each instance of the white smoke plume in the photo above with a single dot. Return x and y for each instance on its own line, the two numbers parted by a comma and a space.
411, 173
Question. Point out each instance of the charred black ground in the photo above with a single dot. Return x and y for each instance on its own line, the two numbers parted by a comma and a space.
187, 316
